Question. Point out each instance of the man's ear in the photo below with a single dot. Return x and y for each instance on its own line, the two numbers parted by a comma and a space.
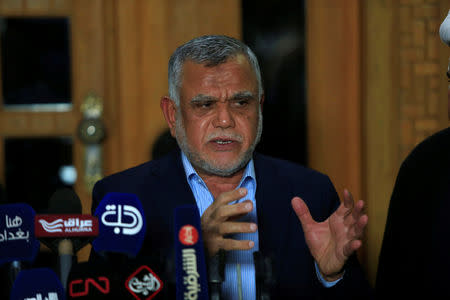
169, 110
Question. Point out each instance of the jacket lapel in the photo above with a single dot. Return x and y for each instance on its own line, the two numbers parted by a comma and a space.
273, 215
177, 189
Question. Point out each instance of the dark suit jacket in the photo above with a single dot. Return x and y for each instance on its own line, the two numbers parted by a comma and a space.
161, 186
415, 254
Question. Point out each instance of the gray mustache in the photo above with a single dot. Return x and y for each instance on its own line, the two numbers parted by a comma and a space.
227, 135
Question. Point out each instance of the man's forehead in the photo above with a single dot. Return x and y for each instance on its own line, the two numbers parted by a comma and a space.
230, 72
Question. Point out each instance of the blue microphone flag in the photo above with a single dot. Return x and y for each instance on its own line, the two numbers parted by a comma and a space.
190, 264
122, 224
40, 283
17, 239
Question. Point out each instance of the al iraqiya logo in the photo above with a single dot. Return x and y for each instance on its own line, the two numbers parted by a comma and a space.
144, 284
125, 217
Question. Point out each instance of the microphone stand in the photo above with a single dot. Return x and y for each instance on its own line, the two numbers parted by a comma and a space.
14, 269
66, 256
263, 276
216, 274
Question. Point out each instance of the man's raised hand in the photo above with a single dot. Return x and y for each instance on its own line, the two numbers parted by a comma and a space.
332, 241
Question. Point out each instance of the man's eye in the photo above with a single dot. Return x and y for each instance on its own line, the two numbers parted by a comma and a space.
203, 104
241, 102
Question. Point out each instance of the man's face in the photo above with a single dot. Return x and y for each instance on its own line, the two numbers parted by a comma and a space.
219, 122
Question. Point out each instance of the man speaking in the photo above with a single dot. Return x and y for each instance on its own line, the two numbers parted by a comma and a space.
247, 201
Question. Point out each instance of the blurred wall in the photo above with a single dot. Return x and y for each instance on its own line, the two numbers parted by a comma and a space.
405, 96
376, 88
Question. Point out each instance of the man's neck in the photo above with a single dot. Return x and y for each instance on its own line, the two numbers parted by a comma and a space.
219, 184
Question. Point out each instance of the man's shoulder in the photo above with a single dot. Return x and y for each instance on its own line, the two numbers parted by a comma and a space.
282, 180
141, 172
285, 168
135, 171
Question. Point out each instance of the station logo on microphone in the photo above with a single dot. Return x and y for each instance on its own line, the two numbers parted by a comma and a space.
66, 225
143, 283
188, 235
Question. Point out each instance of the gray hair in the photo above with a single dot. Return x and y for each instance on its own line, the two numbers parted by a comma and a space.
209, 50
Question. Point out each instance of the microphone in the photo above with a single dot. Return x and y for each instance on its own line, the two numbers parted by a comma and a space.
93, 280
17, 241
216, 274
191, 280
264, 278
37, 284
116, 271
64, 229
122, 225
122, 278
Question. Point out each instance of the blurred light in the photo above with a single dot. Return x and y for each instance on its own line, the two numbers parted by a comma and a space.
68, 175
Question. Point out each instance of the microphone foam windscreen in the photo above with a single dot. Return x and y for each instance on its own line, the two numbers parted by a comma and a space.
17, 239
444, 30
40, 283
190, 266
122, 224
64, 201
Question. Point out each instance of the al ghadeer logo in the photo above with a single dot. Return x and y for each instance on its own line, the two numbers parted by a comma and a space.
144, 284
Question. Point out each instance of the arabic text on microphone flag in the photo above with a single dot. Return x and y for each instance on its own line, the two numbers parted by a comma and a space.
17, 239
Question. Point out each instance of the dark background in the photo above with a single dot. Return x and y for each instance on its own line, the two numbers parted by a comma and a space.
276, 33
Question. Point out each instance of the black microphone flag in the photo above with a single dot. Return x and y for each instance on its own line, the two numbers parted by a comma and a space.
40, 283
17, 239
